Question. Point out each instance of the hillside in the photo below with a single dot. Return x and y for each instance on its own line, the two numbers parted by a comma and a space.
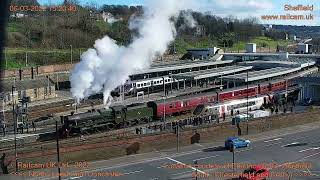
42, 38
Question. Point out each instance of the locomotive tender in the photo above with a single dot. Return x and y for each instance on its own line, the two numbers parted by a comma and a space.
121, 116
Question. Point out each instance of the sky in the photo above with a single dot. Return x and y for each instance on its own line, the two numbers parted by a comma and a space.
236, 8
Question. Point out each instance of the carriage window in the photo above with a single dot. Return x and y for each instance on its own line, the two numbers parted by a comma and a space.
138, 85
144, 84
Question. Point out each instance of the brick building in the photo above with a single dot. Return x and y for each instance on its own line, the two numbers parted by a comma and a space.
36, 89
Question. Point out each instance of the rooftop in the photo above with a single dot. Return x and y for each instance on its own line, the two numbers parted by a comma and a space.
211, 72
178, 66
262, 74
25, 84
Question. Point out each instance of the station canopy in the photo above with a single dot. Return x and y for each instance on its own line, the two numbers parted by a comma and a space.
259, 75
209, 73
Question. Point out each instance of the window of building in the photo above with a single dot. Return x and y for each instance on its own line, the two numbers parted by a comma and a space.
50, 89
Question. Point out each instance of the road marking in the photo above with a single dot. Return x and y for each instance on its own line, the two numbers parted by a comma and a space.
205, 157
200, 145
248, 149
75, 177
277, 139
272, 144
297, 160
190, 166
290, 144
133, 172
314, 148
182, 173
301, 129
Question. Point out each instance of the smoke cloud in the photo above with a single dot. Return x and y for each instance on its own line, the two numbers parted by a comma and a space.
108, 65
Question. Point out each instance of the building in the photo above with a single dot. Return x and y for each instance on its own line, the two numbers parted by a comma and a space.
310, 87
36, 89
200, 54
251, 48
303, 48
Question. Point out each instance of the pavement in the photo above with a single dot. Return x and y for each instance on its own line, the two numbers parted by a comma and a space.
286, 149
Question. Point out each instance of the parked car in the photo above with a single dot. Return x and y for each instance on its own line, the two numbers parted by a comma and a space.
255, 173
236, 142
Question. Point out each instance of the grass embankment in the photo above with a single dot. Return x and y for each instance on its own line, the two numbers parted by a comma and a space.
263, 44
73, 150
22, 57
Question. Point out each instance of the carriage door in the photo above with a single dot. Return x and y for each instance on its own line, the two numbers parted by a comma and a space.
259, 89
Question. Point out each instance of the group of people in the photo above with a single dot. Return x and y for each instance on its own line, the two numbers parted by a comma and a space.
193, 120
20, 127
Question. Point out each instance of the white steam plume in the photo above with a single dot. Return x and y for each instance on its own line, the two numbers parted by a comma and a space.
109, 65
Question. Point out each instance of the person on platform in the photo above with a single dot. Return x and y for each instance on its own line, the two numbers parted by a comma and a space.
3, 164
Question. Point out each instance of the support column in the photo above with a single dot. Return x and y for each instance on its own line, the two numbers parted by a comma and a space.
178, 85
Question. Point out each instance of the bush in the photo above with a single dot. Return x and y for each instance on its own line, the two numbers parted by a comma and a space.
133, 148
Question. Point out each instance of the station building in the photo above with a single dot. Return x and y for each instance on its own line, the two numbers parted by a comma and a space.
310, 87
36, 89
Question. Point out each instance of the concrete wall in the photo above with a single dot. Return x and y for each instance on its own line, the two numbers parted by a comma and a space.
41, 70
33, 97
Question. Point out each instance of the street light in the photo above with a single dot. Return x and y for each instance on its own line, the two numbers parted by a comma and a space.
14, 118
247, 101
196, 167
71, 54
164, 103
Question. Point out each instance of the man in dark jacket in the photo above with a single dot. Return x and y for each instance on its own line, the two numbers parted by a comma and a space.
3, 166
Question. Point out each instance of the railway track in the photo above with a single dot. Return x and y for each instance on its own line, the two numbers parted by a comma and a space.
35, 112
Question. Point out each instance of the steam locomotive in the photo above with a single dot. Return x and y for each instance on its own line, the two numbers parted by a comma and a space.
126, 116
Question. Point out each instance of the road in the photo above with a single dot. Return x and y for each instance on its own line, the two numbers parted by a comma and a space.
281, 147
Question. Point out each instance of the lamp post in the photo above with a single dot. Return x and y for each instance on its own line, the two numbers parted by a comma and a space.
196, 167
247, 101
148, 86
14, 118
4, 119
58, 152
71, 54
164, 103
